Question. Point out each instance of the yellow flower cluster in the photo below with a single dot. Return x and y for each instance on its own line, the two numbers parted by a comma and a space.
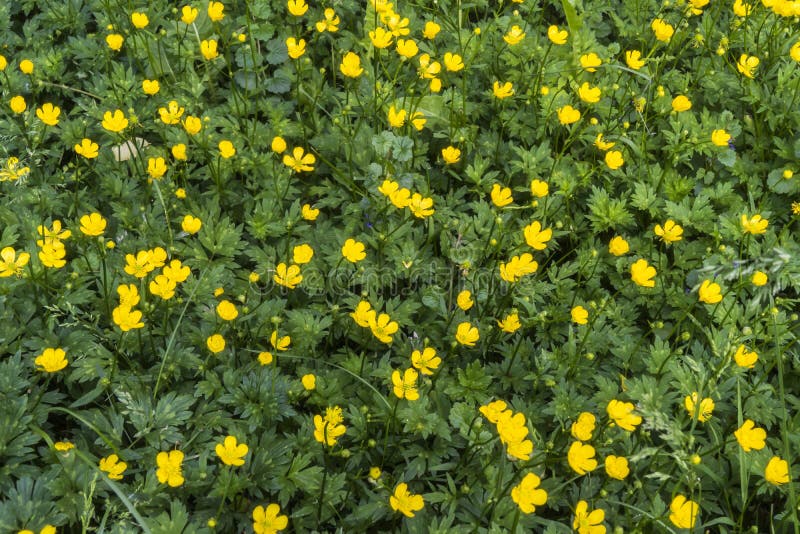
381, 325
511, 427
401, 197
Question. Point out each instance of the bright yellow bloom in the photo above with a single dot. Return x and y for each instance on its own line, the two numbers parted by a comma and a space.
517, 267
464, 299
63, 446
17, 104
51, 360
557, 36
747, 65
309, 213
188, 14
150, 87
590, 62
426, 361
87, 148
191, 224
754, 225
231, 452
683, 512
216, 11
139, 20
794, 52
380, 37
696, 6
226, 310
407, 48
114, 41
302, 254
127, 318
297, 7
502, 91
759, 278
514, 36
750, 437
709, 292
681, 103
642, 273
589, 94
26, 66
420, 206
309, 382
580, 457
568, 115
52, 254
405, 385
176, 271
396, 118
777, 471
268, 521
431, 30
329, 23
192, 125
701, 410
179, 153
539, 188
662, 29
208, 48
296, 48
622, 414
350, 66
510, 323
451, 155
382, 327
169, 468
501, 196
466, 334
617, 467
405, 502
287, 276
670, 232
353, 251
614, 159
744, 358
579, 315
156, 167
300, 161
633, 58
741, 9
93, 224
583, 427
528, 495
11, 263
536, 237
587, 522
48, 114
279, 343
720, 137
215, 343
329, 429
114, 121
172, 113
453, 62
113, 466
418, 120
618, 246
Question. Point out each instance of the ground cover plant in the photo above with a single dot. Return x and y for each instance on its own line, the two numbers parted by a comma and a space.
489, 266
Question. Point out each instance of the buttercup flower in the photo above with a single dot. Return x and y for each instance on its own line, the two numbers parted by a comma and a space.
617, 467
278, 145
139, 20
464, 300
48, 114
226, 149
759, 278
382, 327
539, 188
231, 452
353, 251
622, 414
150, 87
426, 361
431, 30
329, 429
169, 468
208, 48
754, 225
300, 161
93, 224
279, 343
309, 213
114, 122
287, 276
407, 48
216, 11
351, 66
451, 155
517, 267
452, 62
405, 502
466, 334
698, 408
720, 137
590, 62
297, 8
111, 465
589, 93
396, 118
568, 115
192, 125
580, 457
380, 37
11, 263
536, 237
528, 495
750, 437
510, 323
114, 41
670, 232
405, 385
268, 520
587, 522
17, 104
583, 427
633, 58
215, 343
579, 315
681, 103
127, 318
643, 273
709, 292
683, 512
501, 196
63, 446
777, 471
179, 153
330, 23
191, 224
618, 246
188, 14
51, 360
747, 65
309, 382
156, 167
662, 29
556, 35
514, 36
614, 159
295, 47
227, 311
502, 91
744, 358
26, 66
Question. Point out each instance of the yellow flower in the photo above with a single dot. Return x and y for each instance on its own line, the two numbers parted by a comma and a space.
26, 66
215, 11
709, 292
329, 23
670, 232
701, 410
150, 87
579, 315
296, 48
113, 466
265, 358
87, 148
382, 327
179, 153
580, 457
10, 263
17, 104
622, 414
642, 273
407, 48
267, 521
300, 161
405, 502
327, 430
396, 118
279, 343
380, 38
741, 9
451, 155
501, 196
464, 300
309, 213
617, 467
614, 159
169, 468
528, 495
418, 120
127, 318
633, 58
662, 29
191, 224
590, 61
681, 103
754, 225
3, 62
350, 67
302, 254
502, 91
172, 113
683, 512
287, 276
156, 167
63, 446
227, 310
583, 427
453, 62
420, 206
48, 114
794, 51
618, 246
192, 125
52, 254
750, 437
309, 382
208, 48
587, 522
431, 30
51, 360
536, 237
297, 7
231, 452
744, 358
426, 361
93, 224
353, 251
720, 137
557, 36
114, 121
114, 41
226, 149
215, 343
747, 65
139, 20
514, 36
466, 334
777, 471
510, 323
405, 385
539, 188
363, 315
759, 278
163, 286
517, 267
278, 144
568, 115
188, 14
589, 94
175, 271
